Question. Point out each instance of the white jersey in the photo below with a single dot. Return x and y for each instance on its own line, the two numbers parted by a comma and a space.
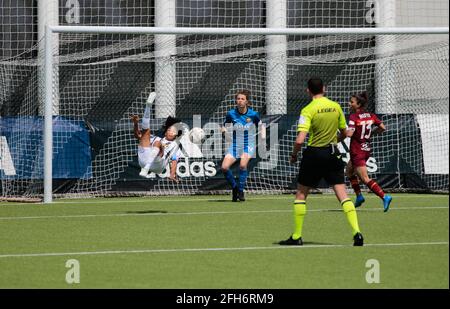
172, 150
149, 156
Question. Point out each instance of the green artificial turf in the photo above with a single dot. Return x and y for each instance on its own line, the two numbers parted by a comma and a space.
209, 242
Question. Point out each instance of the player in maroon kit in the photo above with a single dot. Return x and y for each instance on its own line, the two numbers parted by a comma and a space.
361, 126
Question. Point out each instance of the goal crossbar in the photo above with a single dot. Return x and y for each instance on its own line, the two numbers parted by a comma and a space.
249, 31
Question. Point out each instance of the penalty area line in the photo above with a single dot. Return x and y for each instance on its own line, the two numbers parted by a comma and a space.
149, 251
212, 213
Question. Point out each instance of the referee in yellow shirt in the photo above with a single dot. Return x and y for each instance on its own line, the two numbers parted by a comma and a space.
321, 118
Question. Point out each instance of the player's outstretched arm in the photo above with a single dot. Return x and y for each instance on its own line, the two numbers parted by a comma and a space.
380, 129
227, 131
137, 132
262, 130
173, 171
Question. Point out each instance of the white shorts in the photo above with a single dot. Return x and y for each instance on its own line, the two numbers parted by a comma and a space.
149, 156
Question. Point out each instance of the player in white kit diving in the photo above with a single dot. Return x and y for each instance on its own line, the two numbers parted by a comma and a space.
155, 153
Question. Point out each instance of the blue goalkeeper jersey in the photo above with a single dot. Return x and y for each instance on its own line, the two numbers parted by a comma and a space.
242, 123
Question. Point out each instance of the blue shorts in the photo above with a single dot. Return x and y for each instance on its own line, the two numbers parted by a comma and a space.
238, 151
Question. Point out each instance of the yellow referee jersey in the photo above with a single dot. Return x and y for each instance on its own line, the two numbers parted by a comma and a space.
321, 118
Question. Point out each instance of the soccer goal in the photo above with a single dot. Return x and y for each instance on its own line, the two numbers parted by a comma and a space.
66, 132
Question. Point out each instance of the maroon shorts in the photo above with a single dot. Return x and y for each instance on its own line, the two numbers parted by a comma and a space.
359, 158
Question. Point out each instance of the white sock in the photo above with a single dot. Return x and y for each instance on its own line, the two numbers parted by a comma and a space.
146, 118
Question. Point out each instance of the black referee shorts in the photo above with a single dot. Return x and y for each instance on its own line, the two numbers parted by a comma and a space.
318, 163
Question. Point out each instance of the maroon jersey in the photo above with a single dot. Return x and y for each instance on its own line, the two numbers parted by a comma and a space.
361, 123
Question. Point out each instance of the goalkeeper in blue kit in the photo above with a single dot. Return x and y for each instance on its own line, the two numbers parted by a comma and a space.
244, 121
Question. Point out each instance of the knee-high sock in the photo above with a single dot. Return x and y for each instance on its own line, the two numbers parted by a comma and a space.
350, 212
230, 178
242, 179
146, 118
375, 188
299, 216
355, 184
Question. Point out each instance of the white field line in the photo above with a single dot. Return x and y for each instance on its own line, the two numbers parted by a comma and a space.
215, 249
189, 199
207, 213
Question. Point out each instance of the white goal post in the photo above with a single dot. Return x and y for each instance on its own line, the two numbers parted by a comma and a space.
49, 61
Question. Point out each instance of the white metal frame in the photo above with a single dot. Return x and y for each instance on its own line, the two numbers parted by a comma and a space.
248, 31
50, 30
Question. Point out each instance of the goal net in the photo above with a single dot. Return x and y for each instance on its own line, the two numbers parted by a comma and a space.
100, 79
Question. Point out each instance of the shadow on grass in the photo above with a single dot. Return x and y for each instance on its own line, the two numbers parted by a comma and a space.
143, 212
306, 243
